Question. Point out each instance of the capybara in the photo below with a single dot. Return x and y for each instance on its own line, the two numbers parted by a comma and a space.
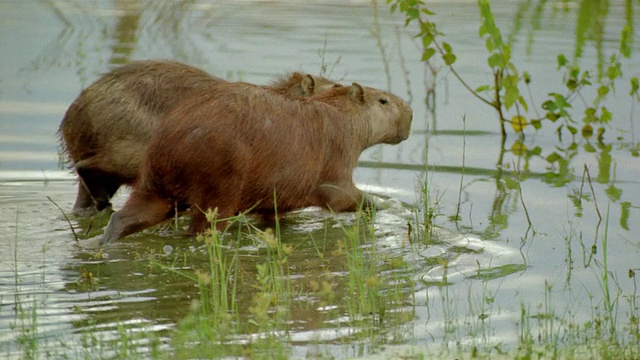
106, 129
236, 147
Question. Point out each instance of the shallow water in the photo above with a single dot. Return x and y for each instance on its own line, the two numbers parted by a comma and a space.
57, 48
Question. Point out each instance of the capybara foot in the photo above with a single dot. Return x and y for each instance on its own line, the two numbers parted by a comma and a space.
113, 230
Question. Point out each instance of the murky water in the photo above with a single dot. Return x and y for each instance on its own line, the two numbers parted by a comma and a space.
57, 292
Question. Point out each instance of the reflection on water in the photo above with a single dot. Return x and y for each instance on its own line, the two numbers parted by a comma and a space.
73, 289
514, 219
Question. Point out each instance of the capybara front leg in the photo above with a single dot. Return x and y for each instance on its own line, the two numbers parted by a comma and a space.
343, 198
84, 205
138, 213
100, 185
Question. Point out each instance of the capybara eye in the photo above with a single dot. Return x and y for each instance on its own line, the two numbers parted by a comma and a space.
382, 101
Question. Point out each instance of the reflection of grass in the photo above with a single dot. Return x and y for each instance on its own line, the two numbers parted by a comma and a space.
375, 284
26, 318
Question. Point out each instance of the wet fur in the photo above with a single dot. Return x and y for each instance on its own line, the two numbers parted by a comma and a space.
233, 147
105, 131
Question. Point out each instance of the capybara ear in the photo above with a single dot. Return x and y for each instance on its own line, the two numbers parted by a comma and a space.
308, 84
356, 93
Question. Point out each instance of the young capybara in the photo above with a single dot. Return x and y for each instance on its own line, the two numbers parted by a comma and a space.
106, 129
235, 147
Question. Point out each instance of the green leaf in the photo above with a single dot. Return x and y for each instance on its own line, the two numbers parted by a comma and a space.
605, 117
518, 123
634, 86
449, 58
603, 91
553, 157
587, 131
572, 129
483, 88
523, 103
562, 61
589, 148
572, 84
518, 148
413, 13
482, 30
625, 41
560, 101
537, 124
427, 39
601, 131
589, 115
584, 79
526, 77
427, 11
511, 95
446, 47
427, 54
549, 105
511, 183
552, 116
489, 44
614, 193
494, 60
625, 206
614, 71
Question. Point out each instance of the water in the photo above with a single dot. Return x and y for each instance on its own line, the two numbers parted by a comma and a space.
54, 49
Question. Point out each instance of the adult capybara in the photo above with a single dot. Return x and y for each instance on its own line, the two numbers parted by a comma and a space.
235, 147
106, 129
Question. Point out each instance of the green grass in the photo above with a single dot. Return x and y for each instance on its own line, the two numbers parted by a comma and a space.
251, 308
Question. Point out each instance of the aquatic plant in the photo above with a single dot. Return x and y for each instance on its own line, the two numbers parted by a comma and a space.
505, 92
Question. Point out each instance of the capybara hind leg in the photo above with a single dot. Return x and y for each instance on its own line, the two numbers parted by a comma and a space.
139, 212
198, 223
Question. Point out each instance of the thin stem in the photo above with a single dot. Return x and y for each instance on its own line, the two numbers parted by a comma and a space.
464, 145
498, 104
455, 73
66, 218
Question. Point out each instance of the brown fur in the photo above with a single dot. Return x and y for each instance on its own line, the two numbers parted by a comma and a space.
233, 147
106, 129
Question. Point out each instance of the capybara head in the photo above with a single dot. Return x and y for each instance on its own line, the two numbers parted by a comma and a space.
302, 85
387, 118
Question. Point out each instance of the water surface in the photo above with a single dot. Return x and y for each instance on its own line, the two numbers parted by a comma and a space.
54, 49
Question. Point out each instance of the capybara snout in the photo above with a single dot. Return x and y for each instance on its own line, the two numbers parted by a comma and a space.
396, 115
